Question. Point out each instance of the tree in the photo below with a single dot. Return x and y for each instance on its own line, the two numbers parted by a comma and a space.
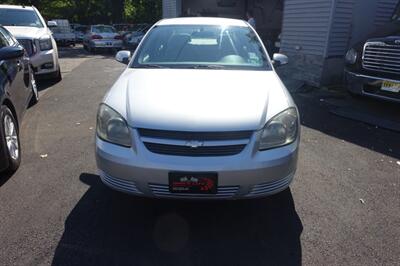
97, 11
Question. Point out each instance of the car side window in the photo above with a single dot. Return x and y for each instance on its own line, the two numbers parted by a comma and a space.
3, 39
9, 38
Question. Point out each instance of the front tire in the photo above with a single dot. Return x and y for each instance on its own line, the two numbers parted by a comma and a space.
10, 141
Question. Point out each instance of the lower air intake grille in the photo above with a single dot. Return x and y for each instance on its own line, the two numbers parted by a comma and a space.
270, 187
120, 184
223, 192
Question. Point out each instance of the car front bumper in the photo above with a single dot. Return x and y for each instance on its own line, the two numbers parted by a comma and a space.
98, 44
45, 62
368, 85
250, 174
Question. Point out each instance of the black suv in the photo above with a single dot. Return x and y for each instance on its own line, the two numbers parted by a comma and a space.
17, 91
373, 66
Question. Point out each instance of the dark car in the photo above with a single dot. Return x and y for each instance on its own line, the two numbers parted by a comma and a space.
17, 91
373, 66
134, 37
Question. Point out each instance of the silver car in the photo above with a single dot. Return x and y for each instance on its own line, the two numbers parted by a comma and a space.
100, 37
199, 113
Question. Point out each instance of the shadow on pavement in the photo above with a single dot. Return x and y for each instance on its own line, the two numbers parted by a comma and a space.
79, 52
316, 113
44, 84
110, 228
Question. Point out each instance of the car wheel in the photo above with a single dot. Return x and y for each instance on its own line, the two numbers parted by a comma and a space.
11, 142
35, 92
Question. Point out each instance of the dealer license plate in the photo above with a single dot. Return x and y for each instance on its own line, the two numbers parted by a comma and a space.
193, 183
391, 86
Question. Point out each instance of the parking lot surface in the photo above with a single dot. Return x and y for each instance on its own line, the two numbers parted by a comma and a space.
342, 209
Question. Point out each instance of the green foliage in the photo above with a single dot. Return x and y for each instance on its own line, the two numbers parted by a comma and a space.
97, 11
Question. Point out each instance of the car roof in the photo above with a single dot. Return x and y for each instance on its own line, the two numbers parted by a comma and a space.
203, 21
16, 7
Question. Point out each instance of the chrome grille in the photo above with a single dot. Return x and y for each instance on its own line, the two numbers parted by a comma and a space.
195, 144
28, 45
270, 187
223, 192
382, 57
120, 184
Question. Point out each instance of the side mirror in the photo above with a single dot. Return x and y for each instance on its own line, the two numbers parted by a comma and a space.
11, 52
51, 24
280, 60
123, 57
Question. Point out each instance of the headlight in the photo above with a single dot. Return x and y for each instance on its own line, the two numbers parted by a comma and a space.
280, 130
112, 127
45, 44
351, 56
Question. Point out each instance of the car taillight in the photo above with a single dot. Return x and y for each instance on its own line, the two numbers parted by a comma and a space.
118, 37
96, 37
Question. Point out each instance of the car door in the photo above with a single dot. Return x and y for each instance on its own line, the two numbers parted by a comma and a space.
16, 71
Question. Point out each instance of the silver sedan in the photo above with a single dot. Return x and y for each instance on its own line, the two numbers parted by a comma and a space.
199, 113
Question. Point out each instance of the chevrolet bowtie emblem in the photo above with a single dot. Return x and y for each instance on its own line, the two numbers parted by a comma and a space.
194, 144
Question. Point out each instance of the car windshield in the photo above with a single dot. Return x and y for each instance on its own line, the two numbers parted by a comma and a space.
61, 30
396, 15
202, 46
19, 17
103, 29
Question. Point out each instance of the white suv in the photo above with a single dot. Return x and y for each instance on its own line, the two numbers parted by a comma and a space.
30, 29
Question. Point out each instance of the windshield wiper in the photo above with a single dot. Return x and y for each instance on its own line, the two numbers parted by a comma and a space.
151, 66
207, 67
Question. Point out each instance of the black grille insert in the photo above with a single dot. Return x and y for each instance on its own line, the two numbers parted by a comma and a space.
194, 152
28, 45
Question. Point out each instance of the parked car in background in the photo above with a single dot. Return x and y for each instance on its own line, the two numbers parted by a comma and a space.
373, 66
17, 91
133, 38
80, 31
63, 33
74, 25
100, 37
199, 113
122, 28
30, 29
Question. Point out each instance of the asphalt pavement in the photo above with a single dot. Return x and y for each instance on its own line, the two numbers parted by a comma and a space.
342, 209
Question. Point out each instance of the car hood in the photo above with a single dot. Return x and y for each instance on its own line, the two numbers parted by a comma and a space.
198, 100
27, 32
